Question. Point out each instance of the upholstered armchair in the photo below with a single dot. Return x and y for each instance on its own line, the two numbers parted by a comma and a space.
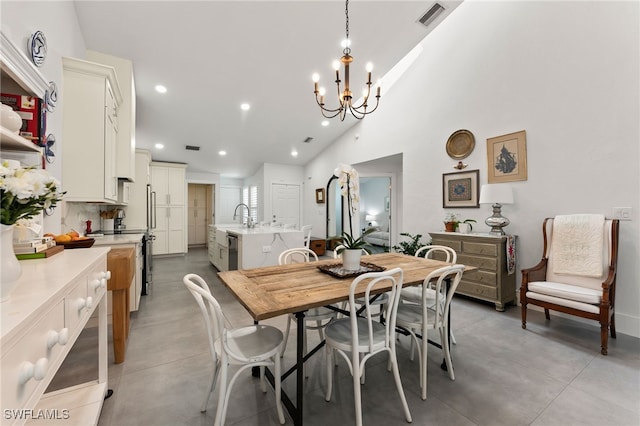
577, 273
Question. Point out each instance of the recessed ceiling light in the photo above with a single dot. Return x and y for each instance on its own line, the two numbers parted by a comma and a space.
159, 146
222, 153
245, 107
294, 153
161, 89
325, 123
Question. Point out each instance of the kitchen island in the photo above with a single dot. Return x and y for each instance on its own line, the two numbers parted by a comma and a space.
233, 246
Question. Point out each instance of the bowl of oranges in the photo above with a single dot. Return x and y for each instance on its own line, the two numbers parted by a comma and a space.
72, 240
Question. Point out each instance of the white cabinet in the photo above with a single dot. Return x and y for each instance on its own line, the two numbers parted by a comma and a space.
136, 209
168, 181
124, 192
40, 323
126, 139
218, 248
90, 131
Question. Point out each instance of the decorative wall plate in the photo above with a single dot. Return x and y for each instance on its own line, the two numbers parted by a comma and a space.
48, 153
460, 144
38, 48
51, 96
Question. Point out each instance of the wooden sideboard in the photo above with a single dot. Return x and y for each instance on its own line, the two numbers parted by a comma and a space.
41, 321
491, 281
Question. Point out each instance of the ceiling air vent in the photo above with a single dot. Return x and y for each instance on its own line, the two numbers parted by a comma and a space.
308, 139
431, 14
192, 148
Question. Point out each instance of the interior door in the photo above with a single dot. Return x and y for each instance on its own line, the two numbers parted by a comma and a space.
197, 222
285, 204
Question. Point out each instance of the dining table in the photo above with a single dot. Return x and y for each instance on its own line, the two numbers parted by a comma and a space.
271, 291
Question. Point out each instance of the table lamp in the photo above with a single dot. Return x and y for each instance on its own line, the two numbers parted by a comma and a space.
497, 195
371, 219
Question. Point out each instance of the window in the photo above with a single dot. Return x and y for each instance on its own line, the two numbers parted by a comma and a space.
250, 198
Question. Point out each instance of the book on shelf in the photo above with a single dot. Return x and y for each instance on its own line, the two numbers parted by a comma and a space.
41, 255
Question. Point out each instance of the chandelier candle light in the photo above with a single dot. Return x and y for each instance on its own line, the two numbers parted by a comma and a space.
345, 96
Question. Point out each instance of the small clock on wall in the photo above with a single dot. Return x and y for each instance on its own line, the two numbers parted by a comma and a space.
460, 144
38, 48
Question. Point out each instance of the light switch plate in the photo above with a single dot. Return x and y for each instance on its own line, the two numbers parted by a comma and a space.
622, 213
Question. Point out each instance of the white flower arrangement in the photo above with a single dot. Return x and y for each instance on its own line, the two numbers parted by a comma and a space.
450, 217
25, 191
349, 182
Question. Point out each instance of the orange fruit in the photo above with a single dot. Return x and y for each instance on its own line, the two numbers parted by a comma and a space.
73, 233
64, 238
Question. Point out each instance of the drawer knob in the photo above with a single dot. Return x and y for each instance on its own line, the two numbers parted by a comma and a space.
97, 284
57, 337
105, 274
82, 303
28, 370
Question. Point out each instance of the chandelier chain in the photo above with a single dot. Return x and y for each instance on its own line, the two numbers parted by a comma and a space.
347, 49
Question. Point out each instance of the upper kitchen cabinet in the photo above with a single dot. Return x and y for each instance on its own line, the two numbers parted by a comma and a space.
126, 142
18, 75
92, 97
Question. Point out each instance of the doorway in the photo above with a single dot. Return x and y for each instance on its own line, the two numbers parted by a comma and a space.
200, 212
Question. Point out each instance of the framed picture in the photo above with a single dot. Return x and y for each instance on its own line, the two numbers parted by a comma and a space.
507, 158
320, 195
460, 189
386, 204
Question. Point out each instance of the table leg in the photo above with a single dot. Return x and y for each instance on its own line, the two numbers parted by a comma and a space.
297, 417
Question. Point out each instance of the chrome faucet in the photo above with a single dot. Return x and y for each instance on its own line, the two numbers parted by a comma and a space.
250, 223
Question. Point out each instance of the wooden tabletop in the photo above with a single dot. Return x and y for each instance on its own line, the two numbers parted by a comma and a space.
276, 290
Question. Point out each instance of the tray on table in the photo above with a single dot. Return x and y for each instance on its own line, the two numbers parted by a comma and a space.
337, 270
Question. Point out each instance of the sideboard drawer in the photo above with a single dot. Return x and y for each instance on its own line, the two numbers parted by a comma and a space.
487, 263
482, 277
480, 248
32, 348
477, 290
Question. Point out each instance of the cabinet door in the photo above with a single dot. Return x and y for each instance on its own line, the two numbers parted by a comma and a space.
110, 140
161, 243
176, 186
160, 184
176, 229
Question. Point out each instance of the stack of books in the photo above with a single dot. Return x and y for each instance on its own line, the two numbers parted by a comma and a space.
36, 249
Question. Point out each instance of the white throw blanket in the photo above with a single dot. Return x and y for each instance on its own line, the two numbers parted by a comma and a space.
576, 244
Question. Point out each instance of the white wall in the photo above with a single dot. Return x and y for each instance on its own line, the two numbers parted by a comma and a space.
57, 20
567, 73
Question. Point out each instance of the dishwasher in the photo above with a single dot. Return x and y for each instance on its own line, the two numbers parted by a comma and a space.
233, 252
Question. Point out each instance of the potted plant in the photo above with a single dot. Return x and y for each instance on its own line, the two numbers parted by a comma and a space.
351, 249
451, 223
410, 247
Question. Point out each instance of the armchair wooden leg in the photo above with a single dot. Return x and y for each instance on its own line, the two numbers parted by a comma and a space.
604, 335
546, 314
523, 306
612, 327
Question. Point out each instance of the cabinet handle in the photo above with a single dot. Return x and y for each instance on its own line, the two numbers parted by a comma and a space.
97, 284
168, 198
105, 274
28, 370
82, 303
57, 337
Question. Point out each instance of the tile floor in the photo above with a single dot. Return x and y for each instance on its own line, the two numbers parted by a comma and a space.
550, 374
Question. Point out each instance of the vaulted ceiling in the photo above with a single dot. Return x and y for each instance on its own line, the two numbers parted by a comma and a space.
212, 56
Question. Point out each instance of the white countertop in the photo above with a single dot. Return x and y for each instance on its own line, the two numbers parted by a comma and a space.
112, 240
258, 230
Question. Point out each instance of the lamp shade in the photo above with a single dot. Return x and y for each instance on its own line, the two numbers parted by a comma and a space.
496, 193
370, 217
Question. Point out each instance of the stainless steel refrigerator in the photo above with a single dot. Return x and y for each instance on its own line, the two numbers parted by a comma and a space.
148, 241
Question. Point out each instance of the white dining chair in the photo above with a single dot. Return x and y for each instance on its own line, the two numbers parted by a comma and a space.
358, 339
247, 347
306, 234
317, 315
413, 294
429, 315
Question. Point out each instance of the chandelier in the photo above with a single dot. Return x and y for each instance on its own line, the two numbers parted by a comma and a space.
345, 96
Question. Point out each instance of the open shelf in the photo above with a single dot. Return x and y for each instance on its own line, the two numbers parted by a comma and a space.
12, 142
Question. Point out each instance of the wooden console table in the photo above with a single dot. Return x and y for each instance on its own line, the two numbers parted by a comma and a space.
491, 281
318, 246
